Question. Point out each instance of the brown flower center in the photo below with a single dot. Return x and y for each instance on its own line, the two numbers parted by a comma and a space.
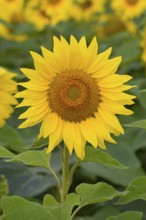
132, 2
74, 92
54, 2
74, 95
86, 5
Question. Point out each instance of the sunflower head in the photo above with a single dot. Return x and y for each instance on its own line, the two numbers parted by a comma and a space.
9, 12
132, 2
71, 91
7, 88
87, 9
57, 10
128, 9
75, 93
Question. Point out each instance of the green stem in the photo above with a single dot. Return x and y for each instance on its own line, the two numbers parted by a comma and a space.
56, 178
75, 212
65, 174
72, 171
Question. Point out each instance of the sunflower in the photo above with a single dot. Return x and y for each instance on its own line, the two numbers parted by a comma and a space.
75, 93
128, 8
109, 24
11, 10
57, 10
85, 9
7, 88
38, 17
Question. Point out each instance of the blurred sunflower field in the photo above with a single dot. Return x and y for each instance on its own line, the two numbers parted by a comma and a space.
80, 153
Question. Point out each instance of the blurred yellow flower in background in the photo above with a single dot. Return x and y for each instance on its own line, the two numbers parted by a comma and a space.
7, 88
38, 17
128, 8
8, 33
11, 14
143, 45
75, 93
12, 10
57, 10
46, 12
85, 9
109, 24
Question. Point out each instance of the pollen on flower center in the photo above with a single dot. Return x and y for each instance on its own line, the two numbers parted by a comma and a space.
74, 95
74, 92
132, 2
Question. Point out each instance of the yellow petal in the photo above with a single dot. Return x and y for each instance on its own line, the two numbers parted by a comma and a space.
44, 70
79, 142
35, 110
55, 137
82, 43
100, 137
100, 60
75, 54
115, 108
103, 131
68, 135
110, 119
31, 94
49, 124
36, 56
89, 133
116, 89
34, 86
117, 96
90, 54
120, 101
31, 102
34, 75
31, 121
109, 68
114, 80
49, 58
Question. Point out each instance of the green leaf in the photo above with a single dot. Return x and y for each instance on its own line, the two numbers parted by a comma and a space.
95, 193
136, 190
26, 181
4, 188
122, 152
120, 177
18, 208
142, 97
38, 143
102, 157
137, 124
102, 213
4, 153
11, 139
139, 141
126, 47
129, 215
61, 211
33, 158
